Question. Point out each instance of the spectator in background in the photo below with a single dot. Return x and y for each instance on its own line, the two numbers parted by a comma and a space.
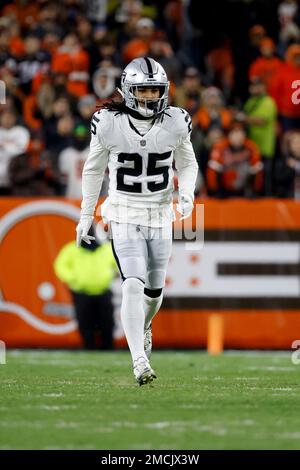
84, 42
14, 96
293, 163
128, 10
38, 107
16, 41
86, 107
30, 173
88, 272
95, 10
84, 31
73, 61
287, 11
288, 167
71, 161
106, 49
59, 81
139, 45
234, 166
62, 136
246, 54
260, 117
212, 111
126, 18
104, 83
61, 107
212, 118
100, 32
109, 66
288, 36
267, 64
256, 34
173, 18
14, 140
161, 50
220, 67
203, 146
188, 94
289, 30
283, 87
33, 61
6, 57
51, 42
50, 19
25, 12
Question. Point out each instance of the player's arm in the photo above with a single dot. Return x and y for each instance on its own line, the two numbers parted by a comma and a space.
187, 168
92, 178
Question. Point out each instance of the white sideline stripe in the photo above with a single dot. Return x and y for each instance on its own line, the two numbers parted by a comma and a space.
52, 395
289, 435
271, 368
30, 319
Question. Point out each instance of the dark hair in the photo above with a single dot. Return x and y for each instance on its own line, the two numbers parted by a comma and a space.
113, 105
120, 107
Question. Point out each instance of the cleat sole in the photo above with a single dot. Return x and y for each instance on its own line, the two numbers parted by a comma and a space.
146, 378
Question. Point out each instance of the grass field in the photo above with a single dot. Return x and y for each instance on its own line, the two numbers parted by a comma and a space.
82, 400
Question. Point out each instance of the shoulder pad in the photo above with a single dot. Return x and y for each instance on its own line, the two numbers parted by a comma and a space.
181, 120
100, 120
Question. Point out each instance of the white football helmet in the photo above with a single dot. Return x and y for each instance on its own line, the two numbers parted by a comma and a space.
145, 72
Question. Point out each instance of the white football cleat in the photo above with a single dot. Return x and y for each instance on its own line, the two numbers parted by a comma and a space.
148, 341
143, 372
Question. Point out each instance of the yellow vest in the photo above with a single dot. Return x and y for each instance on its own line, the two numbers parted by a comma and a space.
86, 271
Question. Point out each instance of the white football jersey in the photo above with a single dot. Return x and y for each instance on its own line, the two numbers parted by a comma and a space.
140, 166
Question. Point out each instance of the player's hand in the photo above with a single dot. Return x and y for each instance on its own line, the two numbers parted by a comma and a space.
185, 206
83, 228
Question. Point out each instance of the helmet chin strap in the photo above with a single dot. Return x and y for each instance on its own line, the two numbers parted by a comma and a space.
145, 111
149, 108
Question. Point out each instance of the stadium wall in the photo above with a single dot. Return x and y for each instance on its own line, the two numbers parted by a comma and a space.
247, 271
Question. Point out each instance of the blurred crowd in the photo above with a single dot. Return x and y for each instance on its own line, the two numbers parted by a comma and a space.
240, 81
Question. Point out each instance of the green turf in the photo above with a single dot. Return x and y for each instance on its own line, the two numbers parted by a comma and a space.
81, 400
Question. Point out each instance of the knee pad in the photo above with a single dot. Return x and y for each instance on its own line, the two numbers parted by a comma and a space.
133, 286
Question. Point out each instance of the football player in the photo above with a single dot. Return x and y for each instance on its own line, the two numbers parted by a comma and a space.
138, 139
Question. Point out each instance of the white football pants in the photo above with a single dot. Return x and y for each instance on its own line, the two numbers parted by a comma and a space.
142, 252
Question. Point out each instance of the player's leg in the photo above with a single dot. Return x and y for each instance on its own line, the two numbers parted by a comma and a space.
152, 302
130, 250
159, 251
132, 317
